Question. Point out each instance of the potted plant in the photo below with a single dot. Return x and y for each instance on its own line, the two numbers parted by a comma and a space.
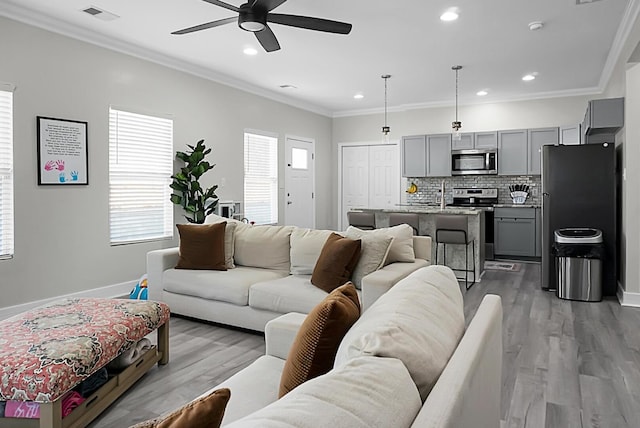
196, 201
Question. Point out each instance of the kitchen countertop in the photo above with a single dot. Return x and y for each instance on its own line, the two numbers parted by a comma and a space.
516, 206
427, 209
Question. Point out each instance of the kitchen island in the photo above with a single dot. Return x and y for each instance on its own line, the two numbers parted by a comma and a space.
427, 226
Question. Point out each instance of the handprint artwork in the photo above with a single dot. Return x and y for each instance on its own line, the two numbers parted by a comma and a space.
51, 165
63, 178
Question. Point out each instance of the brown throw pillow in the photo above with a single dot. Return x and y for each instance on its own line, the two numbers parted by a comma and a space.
314, 350
336, 262
202, 246
204, 412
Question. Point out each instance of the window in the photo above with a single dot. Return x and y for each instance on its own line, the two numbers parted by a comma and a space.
140, 168
6, 172
261, 178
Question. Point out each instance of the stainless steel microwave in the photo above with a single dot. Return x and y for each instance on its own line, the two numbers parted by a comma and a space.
474, 162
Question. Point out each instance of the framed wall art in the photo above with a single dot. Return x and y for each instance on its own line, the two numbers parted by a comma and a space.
62, 151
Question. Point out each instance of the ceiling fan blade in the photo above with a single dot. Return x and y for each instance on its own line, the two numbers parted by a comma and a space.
268, 5
267, 39
207, 25
223, 4
310, 23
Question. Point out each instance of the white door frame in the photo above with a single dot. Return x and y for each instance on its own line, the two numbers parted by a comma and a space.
403, 180
312, 141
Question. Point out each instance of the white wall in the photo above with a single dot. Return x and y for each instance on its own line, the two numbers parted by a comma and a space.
62, 233
631, 213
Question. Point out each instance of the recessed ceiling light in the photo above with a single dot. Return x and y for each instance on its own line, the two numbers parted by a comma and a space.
536, 25
358, 96
250, 51
481, 93
450, 15
528, 77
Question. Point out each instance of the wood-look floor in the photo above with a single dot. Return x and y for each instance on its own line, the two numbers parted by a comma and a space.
566, 364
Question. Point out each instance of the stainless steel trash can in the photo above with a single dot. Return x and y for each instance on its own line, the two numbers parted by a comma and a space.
579, 253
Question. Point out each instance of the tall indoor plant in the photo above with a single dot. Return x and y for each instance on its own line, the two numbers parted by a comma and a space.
196, 201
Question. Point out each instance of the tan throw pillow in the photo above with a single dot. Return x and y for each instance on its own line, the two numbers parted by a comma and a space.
314, 348
401, 249
337, 260
306, 245
375, 248
203, 412
229, 237
202, 246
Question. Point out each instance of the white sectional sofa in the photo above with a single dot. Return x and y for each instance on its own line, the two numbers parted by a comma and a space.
407, 362
271, 274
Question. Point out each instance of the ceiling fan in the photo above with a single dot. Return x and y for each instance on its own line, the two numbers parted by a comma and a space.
254, 15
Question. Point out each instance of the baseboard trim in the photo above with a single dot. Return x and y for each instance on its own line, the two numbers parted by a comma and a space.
628, 299
110, 291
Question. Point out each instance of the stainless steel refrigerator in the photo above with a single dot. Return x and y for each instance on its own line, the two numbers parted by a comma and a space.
579, 190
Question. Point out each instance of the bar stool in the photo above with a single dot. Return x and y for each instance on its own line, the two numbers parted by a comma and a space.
361, 220
405, 218
453, 229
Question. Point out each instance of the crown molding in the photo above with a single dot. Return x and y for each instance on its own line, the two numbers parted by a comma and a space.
628, 20
37, 19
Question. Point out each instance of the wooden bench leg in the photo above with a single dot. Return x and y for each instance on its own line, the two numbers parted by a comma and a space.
163, 343
51, 414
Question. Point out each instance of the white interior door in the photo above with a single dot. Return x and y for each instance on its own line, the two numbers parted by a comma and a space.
355, 180
299, 183
384, 176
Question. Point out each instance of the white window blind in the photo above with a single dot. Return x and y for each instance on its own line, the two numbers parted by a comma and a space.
6, 174
140, 168
260, 178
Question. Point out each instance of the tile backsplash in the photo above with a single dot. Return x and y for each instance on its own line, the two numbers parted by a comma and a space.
429, 187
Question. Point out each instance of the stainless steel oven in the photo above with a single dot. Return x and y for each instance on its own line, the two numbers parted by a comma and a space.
474, 162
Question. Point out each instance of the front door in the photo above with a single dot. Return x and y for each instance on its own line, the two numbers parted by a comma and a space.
299, 183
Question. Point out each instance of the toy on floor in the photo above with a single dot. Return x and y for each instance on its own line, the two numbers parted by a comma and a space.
139, 292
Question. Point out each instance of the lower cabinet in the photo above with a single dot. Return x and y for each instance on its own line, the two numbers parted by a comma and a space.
515, 232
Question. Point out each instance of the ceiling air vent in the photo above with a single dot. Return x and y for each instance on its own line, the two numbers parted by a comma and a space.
579, 2
100, 14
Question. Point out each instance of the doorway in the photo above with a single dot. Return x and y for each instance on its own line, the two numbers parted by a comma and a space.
299, 182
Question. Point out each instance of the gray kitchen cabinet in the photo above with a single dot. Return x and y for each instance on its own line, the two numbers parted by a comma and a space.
414, 156
535, 140
465, 142
512, 152
604, 116
485, 140
439, 155
570, 135
538, 232
515, 231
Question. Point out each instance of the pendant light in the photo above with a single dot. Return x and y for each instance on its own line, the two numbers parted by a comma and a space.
456, 125
385, 128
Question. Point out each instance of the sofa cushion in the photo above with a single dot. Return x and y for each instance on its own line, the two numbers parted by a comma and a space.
201, 246
337, 260
293, 293
204, 412
306, 245
401, 249
229, 237
263, 246
351, 396
420, 321
375, 248
231, 286
314, 348
253, 388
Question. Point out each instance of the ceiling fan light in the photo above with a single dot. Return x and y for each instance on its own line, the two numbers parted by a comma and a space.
252, 26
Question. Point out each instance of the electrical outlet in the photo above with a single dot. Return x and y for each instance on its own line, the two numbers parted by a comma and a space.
223, 181
534, 191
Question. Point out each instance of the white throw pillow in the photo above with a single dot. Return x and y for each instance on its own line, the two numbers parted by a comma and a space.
419, 321
402, 246
263, 247
375, 248
229, 236
367, 392
306, 245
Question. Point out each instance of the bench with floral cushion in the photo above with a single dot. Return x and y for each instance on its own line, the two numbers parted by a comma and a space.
49, 350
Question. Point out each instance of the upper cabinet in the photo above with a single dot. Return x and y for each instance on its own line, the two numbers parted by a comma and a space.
426, 155
414, 156
476, 140
512, 152
536, 139
603, 117
439, 155
570, 135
